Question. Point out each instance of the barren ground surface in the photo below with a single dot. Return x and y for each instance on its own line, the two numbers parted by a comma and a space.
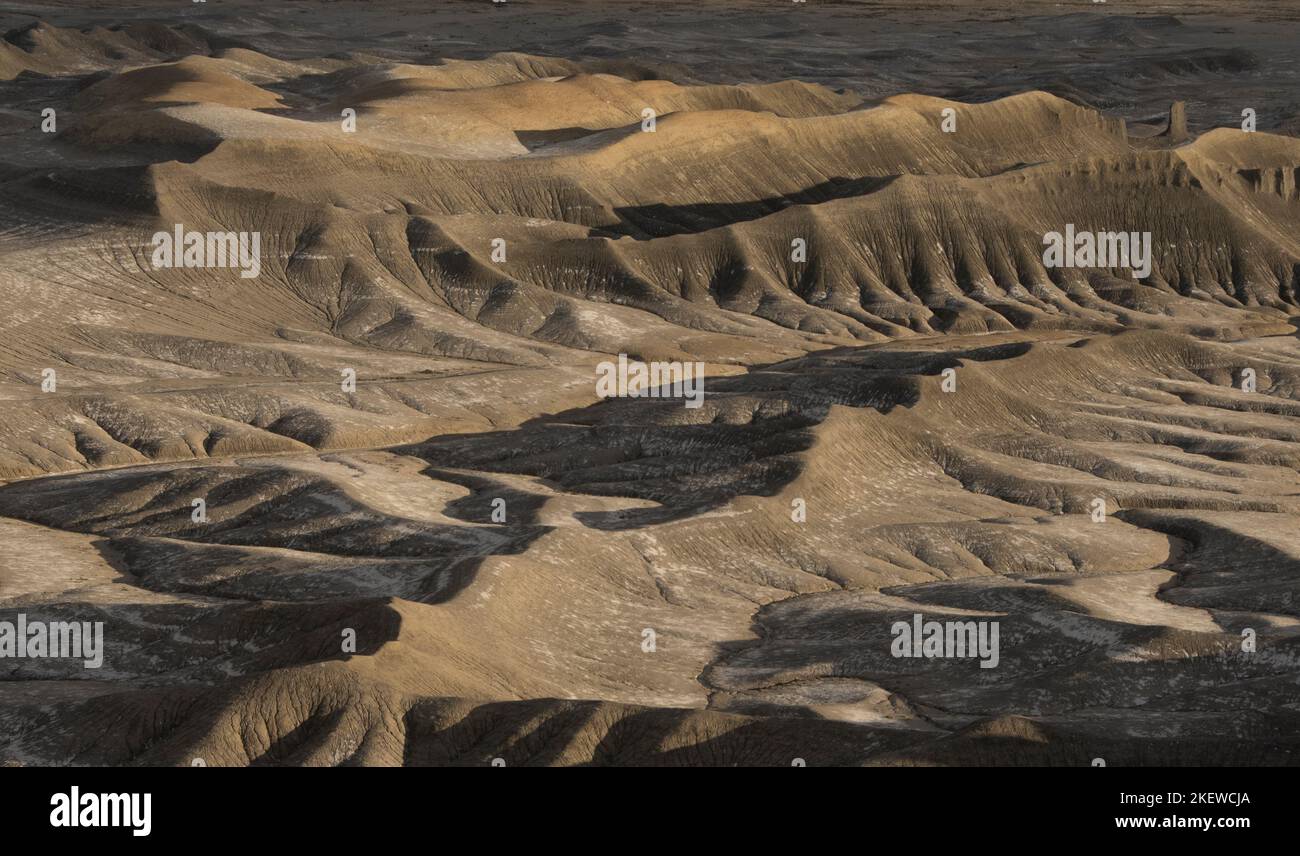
947, 413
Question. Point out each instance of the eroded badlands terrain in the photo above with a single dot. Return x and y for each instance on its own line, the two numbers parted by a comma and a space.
918, 416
